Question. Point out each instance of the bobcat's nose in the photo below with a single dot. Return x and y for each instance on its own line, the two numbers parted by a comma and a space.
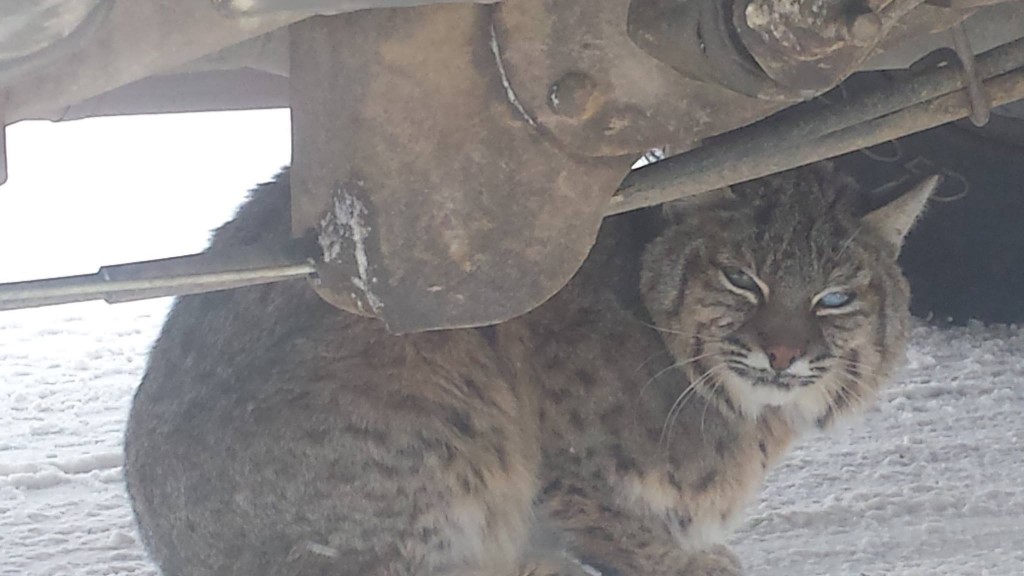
782, 356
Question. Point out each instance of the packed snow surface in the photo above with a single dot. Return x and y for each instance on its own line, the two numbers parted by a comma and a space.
928, 483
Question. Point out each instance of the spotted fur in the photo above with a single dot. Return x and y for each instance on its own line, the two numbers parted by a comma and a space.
618, 429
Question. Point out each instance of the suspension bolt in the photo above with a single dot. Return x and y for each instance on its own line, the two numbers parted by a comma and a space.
863, 29
573, 95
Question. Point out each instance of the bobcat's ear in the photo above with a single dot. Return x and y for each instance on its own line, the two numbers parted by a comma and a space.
896, 218
676, 211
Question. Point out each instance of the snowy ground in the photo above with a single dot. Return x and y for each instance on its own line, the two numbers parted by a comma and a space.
68, 374
930, 483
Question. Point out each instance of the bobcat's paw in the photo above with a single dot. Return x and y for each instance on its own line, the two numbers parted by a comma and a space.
717, 560
561, 566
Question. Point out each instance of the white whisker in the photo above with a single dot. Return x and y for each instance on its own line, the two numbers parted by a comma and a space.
676, 410
707, 403
666, 369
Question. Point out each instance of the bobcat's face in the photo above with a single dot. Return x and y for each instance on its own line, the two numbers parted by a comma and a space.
781, 329
784, 299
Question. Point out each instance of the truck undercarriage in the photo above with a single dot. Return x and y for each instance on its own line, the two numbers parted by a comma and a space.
453, 161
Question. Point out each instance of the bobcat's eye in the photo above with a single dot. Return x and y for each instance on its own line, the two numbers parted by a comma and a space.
835, 299
741, 279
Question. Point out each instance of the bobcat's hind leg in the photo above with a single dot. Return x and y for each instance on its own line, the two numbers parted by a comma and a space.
332, 466
610, 540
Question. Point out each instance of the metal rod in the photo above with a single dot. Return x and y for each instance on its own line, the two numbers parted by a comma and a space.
157, 278
1002, 90
980, 106
3, 149
772, 146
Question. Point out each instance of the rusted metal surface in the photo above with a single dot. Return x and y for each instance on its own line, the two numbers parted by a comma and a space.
604, 78
927, 20
245, 8
697, 39
456, 161
152, 38
810, 46
438, 200
927, 30
147, 38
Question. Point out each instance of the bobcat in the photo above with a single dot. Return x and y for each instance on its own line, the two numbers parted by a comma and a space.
618, 429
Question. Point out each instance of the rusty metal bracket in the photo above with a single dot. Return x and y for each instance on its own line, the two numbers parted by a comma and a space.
437, 199
810, 46
697, 39
605, 78
456, 161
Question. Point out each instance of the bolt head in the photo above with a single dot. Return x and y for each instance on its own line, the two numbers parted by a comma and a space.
864, 29
572, 95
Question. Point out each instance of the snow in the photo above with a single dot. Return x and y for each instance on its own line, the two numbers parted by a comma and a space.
68, 374
928, 483
81, 195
